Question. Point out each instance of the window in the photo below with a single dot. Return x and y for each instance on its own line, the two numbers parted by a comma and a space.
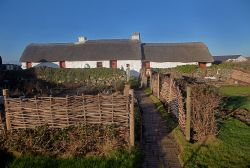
113, 63
28, 64
62, 64
99, 64
86, 66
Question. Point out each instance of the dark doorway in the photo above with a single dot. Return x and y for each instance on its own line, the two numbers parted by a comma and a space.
113, 63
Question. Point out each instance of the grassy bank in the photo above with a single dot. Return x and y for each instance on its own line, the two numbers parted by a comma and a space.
123, 159
238, 96
231, 148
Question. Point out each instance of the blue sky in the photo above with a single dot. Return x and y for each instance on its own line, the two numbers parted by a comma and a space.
224, 25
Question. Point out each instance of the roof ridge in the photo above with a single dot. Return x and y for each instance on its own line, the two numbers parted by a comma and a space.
174, 43
45, 44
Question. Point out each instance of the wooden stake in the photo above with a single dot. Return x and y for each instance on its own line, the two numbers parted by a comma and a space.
22, 111
67, 109
7, 113
51, 115
99, 105
158, 85
112, 108
188, 118
132, 119
37, 112
170, 95
84, 111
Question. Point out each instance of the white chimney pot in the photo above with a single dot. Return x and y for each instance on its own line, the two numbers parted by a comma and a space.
81, 39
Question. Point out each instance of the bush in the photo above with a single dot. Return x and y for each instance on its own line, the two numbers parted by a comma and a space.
204, 103
72, 141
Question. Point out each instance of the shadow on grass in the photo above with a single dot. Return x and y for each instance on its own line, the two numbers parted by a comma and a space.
234, 102
5, 158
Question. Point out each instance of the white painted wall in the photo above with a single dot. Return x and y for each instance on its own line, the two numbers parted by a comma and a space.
208, 64
135, 65
81, 64
39, 64
170, 64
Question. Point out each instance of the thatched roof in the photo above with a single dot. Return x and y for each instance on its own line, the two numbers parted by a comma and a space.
117, 49
91, 50
176, 52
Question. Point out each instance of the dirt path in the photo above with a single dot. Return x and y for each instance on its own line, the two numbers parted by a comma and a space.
159, 145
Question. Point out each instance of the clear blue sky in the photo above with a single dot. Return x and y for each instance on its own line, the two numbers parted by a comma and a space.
224, 25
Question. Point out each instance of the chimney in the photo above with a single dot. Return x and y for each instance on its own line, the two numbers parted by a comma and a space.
135, 36
81, 39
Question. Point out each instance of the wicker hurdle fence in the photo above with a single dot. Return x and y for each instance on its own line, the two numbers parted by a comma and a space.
61, 112
164, 88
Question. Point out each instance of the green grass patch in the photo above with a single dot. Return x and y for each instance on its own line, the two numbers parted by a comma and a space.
124, 159
235, 90
230, 149
237, 96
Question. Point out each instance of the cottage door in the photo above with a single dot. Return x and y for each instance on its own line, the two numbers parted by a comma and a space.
146, 65
202, 65
28, 64
113, 63
62, 64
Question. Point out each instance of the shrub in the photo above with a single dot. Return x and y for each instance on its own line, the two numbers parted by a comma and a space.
204, 102
72, 141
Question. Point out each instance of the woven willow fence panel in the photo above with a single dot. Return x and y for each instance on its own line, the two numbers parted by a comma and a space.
170, 95
60, 112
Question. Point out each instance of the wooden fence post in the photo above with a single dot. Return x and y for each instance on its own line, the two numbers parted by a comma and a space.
170, 94
188, 117
132, 120
67, 109
6, 109
84, 110
99, 107
158, 85
37, 111
112, 108
51, 112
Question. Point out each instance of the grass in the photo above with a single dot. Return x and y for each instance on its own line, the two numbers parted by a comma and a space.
235, 90
231, 148
238, 96
121, 159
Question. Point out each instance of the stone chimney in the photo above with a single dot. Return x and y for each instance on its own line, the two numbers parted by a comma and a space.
81, 39
135, 36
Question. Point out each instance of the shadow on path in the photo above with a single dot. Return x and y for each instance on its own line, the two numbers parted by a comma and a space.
160, 149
